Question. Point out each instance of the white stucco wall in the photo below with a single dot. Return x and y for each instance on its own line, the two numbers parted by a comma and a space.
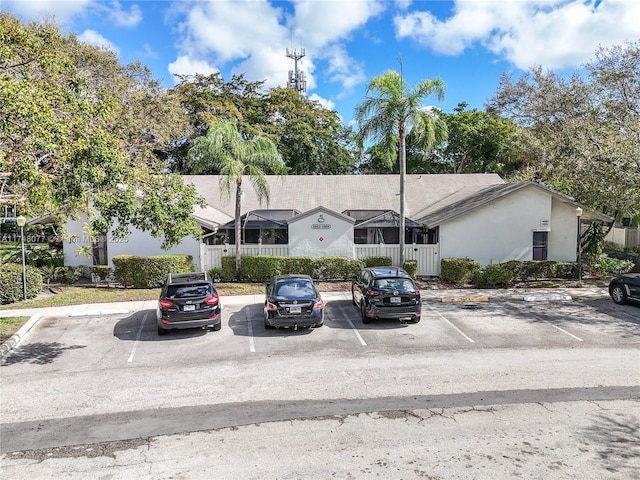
137, 243
313, 238
503, 230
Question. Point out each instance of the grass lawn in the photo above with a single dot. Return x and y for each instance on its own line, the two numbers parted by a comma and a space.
9, 326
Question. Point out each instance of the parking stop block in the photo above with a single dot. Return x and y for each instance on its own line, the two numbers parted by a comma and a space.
465, 299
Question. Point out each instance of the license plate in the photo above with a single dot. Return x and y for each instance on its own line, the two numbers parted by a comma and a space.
189, 308
395, 300
295, 309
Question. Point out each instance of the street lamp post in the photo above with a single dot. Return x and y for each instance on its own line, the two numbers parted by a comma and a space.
21, 221
578, 247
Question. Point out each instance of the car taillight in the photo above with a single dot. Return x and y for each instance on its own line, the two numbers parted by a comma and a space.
318, 305
212, 300
271, 307
416, 293
165, 303
372, 293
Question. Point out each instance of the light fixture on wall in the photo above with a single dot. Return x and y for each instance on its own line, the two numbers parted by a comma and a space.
578, 246
21, 221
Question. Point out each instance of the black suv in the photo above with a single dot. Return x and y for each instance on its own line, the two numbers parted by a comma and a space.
625, 287
386, 292
188, 300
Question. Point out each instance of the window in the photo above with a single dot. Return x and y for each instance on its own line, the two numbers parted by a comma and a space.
540, 244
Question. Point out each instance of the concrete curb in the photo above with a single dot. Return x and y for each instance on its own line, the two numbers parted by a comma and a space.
15, 339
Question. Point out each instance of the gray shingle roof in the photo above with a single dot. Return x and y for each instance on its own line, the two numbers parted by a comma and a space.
446, 212
346, 192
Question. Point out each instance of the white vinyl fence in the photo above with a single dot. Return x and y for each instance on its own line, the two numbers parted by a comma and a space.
625, 237
427, 256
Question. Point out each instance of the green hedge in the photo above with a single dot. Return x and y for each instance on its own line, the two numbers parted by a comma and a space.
411, 267
260, 268
465, 270
147, 272
376, 261
11, 286
458, 270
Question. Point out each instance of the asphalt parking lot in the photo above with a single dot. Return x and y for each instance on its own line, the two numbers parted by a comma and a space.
108, 381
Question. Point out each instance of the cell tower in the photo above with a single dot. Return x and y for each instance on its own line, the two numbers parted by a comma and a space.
297, 78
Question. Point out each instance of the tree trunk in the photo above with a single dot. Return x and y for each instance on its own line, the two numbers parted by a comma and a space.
402, 154
237, 227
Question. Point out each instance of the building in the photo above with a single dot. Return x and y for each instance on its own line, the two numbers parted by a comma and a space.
478, 216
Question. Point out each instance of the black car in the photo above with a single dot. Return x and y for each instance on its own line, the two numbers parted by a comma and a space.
625, 287
188, 300
386, 292
292, 301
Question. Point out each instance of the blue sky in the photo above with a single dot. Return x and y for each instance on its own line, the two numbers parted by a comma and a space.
467, 43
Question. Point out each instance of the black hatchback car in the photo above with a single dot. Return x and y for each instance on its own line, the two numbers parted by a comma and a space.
625, 287
292, 301
386, 292
188, 300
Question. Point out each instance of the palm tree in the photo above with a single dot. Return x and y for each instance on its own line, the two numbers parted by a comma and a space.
393, 111
224, 151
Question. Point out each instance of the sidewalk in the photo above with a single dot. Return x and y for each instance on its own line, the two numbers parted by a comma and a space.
428, 295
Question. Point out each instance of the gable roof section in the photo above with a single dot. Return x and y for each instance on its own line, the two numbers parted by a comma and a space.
345, 192
322, 209
489, 194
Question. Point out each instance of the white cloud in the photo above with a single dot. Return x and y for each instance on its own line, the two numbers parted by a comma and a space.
62, 10
253, 36
328, 104
92, 37
188, 66
551, 33
125, 18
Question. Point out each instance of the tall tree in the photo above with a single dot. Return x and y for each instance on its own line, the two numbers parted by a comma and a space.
77, 126
582, 132
311, 138
393, 110
479, 142
225, 151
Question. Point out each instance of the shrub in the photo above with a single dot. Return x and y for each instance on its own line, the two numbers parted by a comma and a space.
146, 272
67, 274
537, 269
611, 266
334, 268
11, 286
411, 267
566, 270
458, 270
376, 261
302, 265
499, 274
101, 273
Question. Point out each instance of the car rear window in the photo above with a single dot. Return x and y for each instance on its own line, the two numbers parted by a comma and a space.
189, 290
402, 284
295, 288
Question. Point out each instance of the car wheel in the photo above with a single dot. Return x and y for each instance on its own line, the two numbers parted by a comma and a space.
618, 294
318, 325
162, 331
416, 320
216, 328
266, 324
363, 314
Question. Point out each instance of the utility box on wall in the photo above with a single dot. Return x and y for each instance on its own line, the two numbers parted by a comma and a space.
321, 232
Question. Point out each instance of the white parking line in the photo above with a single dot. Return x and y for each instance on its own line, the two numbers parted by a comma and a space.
135, 344
446, 320
360, 339
252, 345
564, 331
